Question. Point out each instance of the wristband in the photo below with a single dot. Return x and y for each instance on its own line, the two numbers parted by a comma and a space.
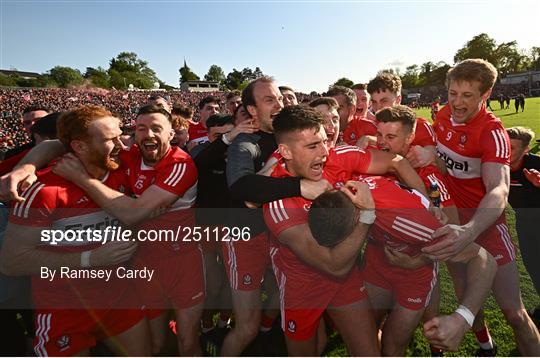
464, 312
85, 259
367, 216
225, 139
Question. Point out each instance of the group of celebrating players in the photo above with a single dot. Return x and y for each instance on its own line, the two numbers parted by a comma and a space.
351, 203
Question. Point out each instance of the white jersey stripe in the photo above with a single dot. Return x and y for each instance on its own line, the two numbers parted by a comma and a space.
181, 175
283, 209
505, 151
348, 150
40, 327
406, 232
272, 214
427, 231
497, 143
172, 174
280, 218
29, 201
19, 207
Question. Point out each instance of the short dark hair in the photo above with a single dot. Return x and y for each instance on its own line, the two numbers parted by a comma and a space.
285, 88
296, 118
232, 95
248, 99
332, 218
152, 108
523, 134
385, 81
218, 120
344, 91
327, 101
359, 86
209, 99
398, 113
46, 126
182, 110
35, 107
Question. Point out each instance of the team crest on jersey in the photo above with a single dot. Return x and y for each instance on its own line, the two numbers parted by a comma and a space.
247, 279
63, 343
121, 189
353, 135
291, 326
338, 184
462, 140
84, 199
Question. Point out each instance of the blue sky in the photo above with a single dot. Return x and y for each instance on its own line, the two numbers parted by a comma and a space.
305, 44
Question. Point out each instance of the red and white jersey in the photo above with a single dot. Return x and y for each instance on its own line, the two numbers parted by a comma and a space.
430, 174
342, 164
357, 128
403, 219
424, 134
176, 173
464, 147
197, 132
53, 203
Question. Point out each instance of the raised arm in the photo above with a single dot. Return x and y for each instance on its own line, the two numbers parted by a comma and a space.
23, 174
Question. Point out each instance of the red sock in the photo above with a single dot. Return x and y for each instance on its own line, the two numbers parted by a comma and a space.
484, 338
482, 335
435, 350
266, 323
224, 315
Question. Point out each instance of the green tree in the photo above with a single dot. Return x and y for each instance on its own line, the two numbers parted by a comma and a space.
127, 68
345, 82
411, 77
215, 73
7, 81
186, 74
234, 80
66, 76
98, 76
257, 73
480, 46
535, 59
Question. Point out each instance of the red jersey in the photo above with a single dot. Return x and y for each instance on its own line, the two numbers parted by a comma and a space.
464, 147
424, 134
197, 132
403, 219
53, 203
342, 164
176, 173
357, 128
430, 174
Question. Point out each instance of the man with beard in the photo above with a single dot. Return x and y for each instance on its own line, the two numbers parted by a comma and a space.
73, 314
163, 179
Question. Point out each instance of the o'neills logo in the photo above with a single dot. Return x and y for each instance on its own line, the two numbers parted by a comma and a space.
414, 300
454, 164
